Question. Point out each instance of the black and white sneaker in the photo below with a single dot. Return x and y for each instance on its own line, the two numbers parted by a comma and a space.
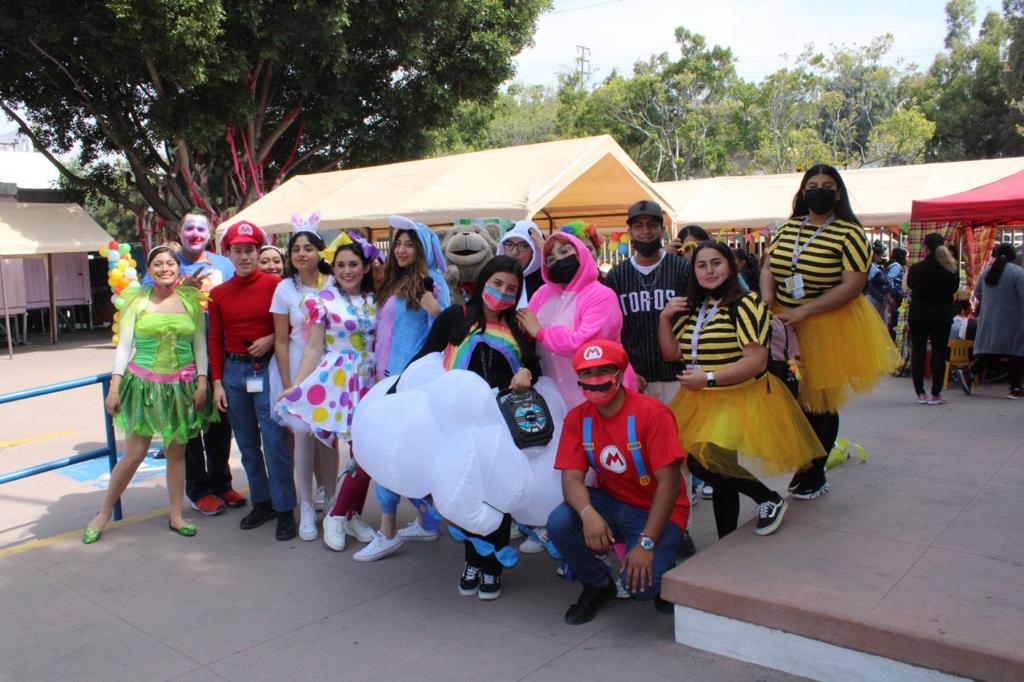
769, 517
965, 378
811, 491
795, 482
490, 587
469, 583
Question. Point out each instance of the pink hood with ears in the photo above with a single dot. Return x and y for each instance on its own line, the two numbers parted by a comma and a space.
580, 311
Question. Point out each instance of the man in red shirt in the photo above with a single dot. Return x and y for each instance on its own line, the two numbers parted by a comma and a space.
239, 320
631, 442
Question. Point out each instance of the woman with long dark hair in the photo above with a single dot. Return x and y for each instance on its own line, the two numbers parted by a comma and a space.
737, 422
484, 337
305, 273
933, 283
814, 281
1000, 291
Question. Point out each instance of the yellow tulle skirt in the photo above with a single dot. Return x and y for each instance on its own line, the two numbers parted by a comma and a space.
842, 352
753, 430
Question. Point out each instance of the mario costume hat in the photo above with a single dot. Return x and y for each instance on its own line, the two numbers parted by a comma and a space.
600, 353
243, 232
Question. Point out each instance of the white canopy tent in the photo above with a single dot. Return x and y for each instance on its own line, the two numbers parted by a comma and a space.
38, 230
880, 196
552, 183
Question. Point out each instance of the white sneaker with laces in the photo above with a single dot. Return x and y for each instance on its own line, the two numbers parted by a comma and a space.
414, 532
515, 533
307, 522
379, 547
531, 546
319, 501
359, 529
334, 532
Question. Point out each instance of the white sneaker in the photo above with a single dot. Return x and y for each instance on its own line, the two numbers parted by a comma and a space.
515, 532
319, 502
620, 588
307, 522
379, 547
335, 528
359, 529
414, 532
531, 546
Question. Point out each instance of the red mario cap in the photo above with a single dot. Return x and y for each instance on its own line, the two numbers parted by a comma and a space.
243, 232
598, 354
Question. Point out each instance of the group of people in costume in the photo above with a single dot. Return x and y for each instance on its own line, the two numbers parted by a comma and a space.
669, 366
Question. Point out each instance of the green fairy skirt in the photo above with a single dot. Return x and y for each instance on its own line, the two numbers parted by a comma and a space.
161, 405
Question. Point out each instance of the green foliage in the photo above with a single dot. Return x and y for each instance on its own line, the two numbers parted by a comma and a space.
160, 84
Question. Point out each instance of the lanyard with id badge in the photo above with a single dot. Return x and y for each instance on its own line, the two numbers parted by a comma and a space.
704, 317
253, 384
795, 282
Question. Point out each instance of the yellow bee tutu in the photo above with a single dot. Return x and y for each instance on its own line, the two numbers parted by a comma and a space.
842, 352
752, 430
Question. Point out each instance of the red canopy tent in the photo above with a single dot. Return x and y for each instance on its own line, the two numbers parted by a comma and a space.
997, 203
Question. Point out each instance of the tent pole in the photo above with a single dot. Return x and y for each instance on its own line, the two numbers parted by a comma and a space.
551, 222
7, 312
53, 298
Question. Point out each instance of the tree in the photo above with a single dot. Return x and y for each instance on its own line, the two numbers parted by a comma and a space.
901, 139
212, 102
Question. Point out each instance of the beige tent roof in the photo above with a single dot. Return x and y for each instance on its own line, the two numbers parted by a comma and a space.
881, 196
591, 178
36, 229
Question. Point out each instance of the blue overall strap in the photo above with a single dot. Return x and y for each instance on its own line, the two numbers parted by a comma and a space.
588, 441
634, 448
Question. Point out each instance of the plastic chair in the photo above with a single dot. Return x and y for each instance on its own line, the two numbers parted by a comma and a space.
959, 357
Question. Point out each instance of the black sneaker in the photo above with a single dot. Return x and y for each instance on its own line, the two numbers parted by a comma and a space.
285, 526
260, 514
795, 482
965, 378
809, 491
769, 516
1015, 394
686, 547
665, 607
591, 599
490, 587
470, 581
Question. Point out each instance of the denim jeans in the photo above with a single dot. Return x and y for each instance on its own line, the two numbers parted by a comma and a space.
565, 528
268, 468
388, 501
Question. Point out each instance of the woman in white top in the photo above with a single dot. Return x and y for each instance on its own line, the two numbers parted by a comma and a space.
305, 273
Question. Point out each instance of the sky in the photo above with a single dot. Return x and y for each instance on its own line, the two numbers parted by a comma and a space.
759, 32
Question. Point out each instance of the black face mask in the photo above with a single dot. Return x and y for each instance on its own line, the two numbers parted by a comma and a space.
562, 271
718, 292
647, 249
821, 200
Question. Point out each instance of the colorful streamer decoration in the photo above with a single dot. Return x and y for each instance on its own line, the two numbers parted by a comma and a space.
121, 275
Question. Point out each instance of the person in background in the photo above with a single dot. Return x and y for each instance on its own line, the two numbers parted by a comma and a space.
271, 260
896, 273
241, 346
749, 269
933, 282
524, 241
159, 384
409, 299
1000, 292
878, 287
630, 441
687, 239
814, 279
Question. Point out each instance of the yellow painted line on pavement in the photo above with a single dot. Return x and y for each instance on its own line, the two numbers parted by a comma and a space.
33, 439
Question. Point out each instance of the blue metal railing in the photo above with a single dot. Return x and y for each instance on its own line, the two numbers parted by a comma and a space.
109, 450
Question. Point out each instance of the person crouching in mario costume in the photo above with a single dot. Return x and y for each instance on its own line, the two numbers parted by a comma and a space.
631, 442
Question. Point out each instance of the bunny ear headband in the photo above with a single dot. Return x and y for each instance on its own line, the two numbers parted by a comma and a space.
310, 224
370, 252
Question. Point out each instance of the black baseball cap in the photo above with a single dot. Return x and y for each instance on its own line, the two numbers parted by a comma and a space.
644, 207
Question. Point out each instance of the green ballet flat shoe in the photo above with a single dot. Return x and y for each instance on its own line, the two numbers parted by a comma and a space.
90, 535
186, 531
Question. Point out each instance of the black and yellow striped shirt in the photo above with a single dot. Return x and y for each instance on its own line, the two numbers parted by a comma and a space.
840, 246
723, 337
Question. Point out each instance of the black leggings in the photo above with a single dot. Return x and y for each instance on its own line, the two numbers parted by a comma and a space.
726, 500
500, 538
920, 333
826, 428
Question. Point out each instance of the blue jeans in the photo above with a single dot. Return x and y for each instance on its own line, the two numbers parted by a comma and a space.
268, 468
626, 523
389, 500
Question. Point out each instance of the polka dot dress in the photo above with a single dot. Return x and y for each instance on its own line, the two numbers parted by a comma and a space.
324, 402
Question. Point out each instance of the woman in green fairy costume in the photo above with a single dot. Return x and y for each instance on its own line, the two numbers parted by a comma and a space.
159, 384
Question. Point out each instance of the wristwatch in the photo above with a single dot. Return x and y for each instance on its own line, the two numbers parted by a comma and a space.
711, 379
647, 542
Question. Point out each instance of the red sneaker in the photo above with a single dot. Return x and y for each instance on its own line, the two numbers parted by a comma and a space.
232, 498
208, 506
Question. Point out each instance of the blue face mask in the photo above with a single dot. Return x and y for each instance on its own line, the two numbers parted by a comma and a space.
496, 300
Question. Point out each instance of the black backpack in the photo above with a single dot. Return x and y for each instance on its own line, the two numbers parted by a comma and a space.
528, 418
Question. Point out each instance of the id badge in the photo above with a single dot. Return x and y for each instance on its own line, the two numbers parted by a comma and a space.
254, 385
794, 283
